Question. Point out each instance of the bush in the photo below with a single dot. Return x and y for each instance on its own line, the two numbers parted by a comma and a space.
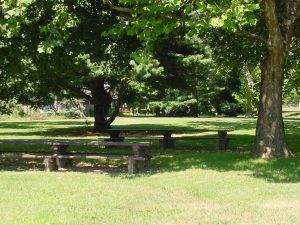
73, 113
231, 109
157, 108
174, 108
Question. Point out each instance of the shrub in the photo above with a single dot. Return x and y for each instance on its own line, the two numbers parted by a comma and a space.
73, 113
174, 108
231, 109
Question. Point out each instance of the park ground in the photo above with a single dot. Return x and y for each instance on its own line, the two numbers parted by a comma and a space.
192, 184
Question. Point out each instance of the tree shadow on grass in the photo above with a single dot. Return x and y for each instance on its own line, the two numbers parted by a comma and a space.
36, 124
244, 124
277, 170
77, 130
44, 128
292, 124
53, 132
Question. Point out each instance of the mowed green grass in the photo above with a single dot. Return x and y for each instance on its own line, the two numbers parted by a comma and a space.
190, 185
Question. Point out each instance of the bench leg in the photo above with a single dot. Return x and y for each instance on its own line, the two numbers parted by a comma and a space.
62, 150
168, 141
132, 165
137, 166
115, 139
50, 164
223, 141
63, 163
147, 162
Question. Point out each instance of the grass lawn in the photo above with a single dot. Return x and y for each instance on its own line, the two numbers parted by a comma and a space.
190, 185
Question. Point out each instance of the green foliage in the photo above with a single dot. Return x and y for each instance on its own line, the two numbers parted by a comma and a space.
58, 51
152, 20
6, 107
291, 88
73, 113
248, 95
187, 108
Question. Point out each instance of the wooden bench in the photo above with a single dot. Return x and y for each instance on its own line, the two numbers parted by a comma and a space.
137, 162
167, 141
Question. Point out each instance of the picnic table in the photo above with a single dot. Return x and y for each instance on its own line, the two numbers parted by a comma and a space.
60, 157
118, 135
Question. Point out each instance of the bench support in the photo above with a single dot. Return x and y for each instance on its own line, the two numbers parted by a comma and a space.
139, 162
62, 163
115, 137
223, 141
132, 165
168, 141
50, 164
137, 165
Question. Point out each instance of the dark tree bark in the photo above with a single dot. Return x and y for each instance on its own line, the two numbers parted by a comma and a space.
280, 18
101, 101
104, 111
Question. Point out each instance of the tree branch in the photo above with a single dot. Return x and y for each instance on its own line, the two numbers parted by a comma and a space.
129, 11
251, 35
116, 110
292, 13
271, 18
118, 8
77, 91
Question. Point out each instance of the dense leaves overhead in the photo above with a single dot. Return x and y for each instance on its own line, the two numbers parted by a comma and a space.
57, 47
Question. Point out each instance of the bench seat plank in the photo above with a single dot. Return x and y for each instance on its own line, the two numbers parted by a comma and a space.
99, 157
76, 143
23, 156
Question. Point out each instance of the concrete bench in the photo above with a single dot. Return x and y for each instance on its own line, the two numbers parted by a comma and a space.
165, 135
137, 162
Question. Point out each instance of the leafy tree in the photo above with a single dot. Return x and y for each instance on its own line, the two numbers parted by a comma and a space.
61, 53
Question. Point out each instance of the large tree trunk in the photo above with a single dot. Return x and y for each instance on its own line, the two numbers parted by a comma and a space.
101, 103
270, 136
